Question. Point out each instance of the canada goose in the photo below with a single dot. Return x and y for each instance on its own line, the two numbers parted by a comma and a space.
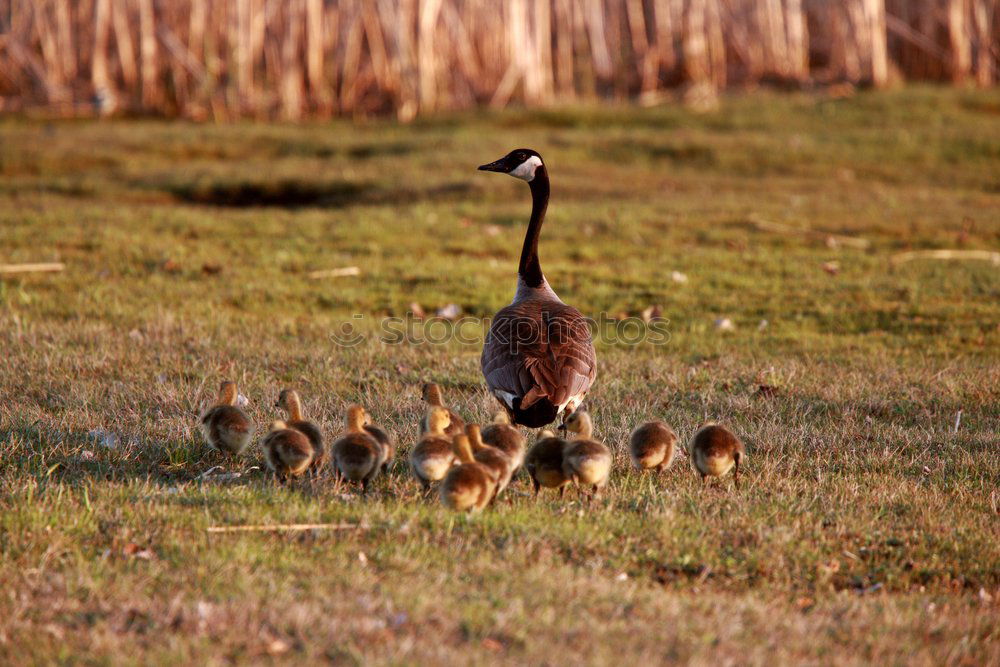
433, 455
539, 358
431, 394
505, 437
544, 463
714, 450
652, 445
357, 456
288, 400
288, 451
585, 460
469, 486
226, 427
491, 457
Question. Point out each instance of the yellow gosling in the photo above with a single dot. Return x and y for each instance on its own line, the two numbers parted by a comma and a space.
469, 486
357, 456
715, 450
431, 393
226, 427
544, 463
505, 437
491, 457
652, 445
585, 461
288, 400
287, 451
433, 456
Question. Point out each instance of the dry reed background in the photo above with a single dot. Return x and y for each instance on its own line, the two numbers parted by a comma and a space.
295, 58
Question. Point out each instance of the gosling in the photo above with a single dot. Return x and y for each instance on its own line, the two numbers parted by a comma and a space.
357, 456
544, 463
384, 439
433, 455
227, 428
431, 394
469, 486
491, 457
652, 445
288, 451
586, 461
715, 450
505, 437
288, 400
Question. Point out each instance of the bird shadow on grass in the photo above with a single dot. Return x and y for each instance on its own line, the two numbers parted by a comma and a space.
296, 193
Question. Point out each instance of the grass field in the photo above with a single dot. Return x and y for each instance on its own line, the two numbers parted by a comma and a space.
868, 528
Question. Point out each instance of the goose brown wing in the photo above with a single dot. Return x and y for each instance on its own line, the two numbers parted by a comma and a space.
539, 349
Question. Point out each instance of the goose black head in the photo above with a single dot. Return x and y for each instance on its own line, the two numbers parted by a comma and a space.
519, 163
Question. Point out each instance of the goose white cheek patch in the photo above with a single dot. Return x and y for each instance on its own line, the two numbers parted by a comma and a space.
526, 170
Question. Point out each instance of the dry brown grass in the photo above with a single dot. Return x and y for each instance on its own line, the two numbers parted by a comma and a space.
867, 529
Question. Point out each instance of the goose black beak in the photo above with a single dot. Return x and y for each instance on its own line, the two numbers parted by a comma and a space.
563, 429
497, 166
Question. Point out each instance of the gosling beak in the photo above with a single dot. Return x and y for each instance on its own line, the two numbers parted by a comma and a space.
563, 429
497, 166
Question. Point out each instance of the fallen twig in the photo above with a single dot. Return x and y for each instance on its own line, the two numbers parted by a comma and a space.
830, 239
278, 527
335, 273
45, 267
983, 255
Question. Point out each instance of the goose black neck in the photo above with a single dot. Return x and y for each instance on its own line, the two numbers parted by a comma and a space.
530, 269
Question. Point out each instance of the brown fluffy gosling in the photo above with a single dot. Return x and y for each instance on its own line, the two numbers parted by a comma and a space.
357, 456
505, 437
469, 486
491, 457
226, 427
433, 455
385, 440
431, 394
715, 450
288, 400
288, 451
585, 461
652, 445
544, 463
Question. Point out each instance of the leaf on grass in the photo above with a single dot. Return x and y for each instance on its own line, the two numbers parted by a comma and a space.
654, 312
493, 645
766, 391
104, 438
133, 550
450, 311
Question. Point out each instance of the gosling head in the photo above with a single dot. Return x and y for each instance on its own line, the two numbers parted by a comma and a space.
357, 417
227, 393
278, 425
474, 433
522, 163
579, 423
438, 420
431, 393
286, 399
